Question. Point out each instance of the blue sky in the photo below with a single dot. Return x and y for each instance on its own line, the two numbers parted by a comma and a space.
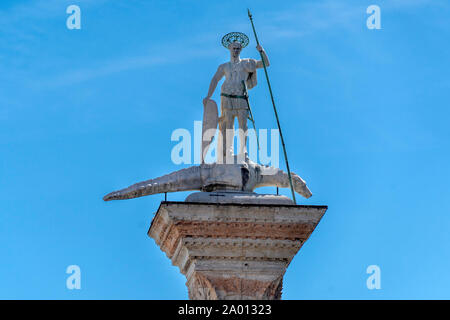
85, 112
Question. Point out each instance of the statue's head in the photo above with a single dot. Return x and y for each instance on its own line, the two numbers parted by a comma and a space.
235, 42
235, 49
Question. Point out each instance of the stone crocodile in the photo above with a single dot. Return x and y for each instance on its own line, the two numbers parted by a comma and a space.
245, 176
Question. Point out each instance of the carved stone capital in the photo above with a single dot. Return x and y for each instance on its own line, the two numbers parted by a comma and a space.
233, 251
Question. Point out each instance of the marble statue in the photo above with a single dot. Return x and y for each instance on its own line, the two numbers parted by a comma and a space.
238, 73
241, 175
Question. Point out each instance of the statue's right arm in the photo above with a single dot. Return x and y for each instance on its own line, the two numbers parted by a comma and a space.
215, 80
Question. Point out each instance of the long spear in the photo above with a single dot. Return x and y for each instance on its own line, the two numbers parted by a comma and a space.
274, 109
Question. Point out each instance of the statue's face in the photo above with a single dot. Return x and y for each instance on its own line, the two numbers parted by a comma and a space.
235, 49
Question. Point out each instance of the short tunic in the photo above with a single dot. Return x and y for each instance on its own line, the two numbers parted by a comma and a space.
235, 73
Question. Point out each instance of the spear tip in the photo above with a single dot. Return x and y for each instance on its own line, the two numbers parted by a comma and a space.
249, 13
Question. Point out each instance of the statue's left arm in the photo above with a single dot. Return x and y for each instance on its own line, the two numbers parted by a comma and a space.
259, 63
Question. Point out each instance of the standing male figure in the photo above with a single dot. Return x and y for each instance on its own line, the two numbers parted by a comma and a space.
233, 103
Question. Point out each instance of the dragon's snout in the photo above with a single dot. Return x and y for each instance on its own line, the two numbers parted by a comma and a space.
301, 187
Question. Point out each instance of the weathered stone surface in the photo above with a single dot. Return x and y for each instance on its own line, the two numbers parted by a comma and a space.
239, 197
241, 176
233, 251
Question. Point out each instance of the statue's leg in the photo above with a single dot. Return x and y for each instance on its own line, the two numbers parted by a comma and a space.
229, 137
221, 137
225, 142
242, 119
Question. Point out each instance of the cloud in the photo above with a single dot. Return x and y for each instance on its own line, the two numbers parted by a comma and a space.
120, 64
111, 67
24, 23
410, 3
22, 27
308, 18
297, 21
